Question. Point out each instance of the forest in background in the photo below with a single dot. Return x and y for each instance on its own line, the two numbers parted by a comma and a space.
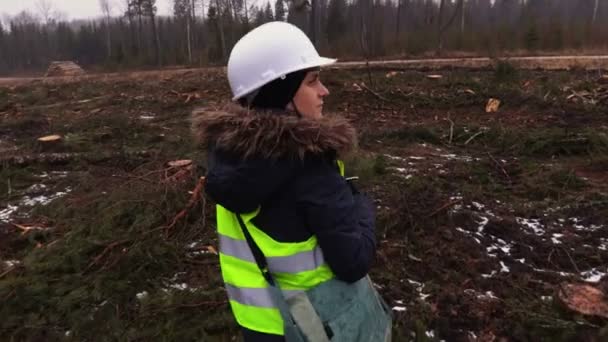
130, 35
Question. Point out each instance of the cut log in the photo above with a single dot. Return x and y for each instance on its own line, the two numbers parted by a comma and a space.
64, 68
583, 299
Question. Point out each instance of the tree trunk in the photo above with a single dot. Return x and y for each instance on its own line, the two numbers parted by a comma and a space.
442, 28
370, 24
439, 32
313, 21
462, 15
220, 28
595, 7
192, 26
139, 34
246, 14
108, 37
398, 20
156, 39
189, 41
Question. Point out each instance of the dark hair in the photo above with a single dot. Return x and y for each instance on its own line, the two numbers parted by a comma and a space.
278, 93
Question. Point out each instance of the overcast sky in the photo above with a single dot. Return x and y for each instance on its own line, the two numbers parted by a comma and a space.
76, 9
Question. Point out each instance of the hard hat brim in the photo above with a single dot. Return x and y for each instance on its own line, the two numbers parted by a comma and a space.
319, 62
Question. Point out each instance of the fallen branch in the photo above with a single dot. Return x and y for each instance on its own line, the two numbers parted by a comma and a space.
104, 252
8, 271
374, 93
27, 229
501, 168
443, 207
451, 130
196, 195
473, 137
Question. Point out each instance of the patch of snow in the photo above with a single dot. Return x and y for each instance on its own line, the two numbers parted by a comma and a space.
430, 334
42, 200
591, 228
11, 263
394, 157
416, 158
487, 295
521, 261
478, 206
452, 156
482, 224
531, 224
424, 296
556, 237
491, 275
146, 117
463, 231
472, 335
182, 286
603, 245
142, 295
399, 302
36, 188
5, 214
563, 274
68, 333
546, 298
399, 308
506, 249
593, 275
504, 268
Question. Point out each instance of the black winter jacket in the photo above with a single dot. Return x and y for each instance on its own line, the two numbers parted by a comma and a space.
287, 166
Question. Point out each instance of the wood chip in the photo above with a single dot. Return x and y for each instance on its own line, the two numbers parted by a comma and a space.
180, 163
492, 106
50, 138
392, 74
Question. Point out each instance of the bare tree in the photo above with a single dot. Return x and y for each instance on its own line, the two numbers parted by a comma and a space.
149, 9
45, 9
106, 8
595, 7
314, 13
401, 8
220, 28
441, 28
462, 15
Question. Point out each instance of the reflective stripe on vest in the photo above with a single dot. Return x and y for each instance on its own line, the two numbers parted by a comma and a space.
300, 262
295, 266
256, 296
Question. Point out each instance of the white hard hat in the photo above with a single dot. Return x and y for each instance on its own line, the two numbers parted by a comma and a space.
267, 53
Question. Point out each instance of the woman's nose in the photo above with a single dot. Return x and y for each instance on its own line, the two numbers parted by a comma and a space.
323, 91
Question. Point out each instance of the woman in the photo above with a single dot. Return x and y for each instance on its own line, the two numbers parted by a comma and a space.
296, 238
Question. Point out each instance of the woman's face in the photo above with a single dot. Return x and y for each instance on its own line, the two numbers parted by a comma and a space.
309, 97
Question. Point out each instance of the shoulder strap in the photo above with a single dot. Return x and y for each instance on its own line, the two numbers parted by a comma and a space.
259, 257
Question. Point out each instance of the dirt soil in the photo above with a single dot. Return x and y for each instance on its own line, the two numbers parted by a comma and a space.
481, 217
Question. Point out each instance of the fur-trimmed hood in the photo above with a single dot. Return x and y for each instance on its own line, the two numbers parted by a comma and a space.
271, 134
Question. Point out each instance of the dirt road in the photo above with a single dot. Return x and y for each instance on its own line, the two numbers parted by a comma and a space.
542, 62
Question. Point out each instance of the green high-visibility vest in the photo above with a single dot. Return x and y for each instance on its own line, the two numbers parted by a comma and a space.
295, 266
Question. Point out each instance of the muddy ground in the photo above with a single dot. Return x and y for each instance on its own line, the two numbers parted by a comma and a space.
482, 217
